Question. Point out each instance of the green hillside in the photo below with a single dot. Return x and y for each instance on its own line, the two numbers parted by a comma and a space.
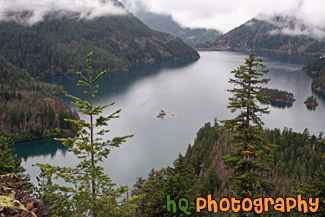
58, 46
31, 109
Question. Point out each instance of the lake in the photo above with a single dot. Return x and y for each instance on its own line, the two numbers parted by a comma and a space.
191, 93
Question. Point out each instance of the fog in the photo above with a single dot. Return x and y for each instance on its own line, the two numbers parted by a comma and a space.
33, 11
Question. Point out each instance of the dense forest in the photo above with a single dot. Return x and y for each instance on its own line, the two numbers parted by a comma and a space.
58, 45
296, 162
31, 109
316, 69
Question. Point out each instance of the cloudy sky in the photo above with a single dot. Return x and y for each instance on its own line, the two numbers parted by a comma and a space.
228, 14
223, 15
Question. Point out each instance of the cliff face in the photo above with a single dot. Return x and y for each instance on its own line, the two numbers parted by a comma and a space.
268, 36
15, 201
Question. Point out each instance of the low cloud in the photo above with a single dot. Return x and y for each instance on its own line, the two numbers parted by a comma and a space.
288, 25
33, 11
226, 15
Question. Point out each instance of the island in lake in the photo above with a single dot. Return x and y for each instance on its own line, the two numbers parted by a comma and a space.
311, 102
277, 98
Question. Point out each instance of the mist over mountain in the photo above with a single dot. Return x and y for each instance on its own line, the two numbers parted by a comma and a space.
33, 11
279, 35
165, 23
227, 15
59, 42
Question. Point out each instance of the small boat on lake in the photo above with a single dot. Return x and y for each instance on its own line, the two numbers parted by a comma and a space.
161, 114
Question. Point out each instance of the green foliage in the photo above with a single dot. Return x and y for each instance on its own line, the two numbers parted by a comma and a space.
10, 163
316, 69
57, 45
31, 109
89, 191
190, 176
247, 158
311, 101
316, 187
275, 95
177, 181
277, 98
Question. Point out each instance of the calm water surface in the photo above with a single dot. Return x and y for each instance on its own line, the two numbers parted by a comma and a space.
194, 92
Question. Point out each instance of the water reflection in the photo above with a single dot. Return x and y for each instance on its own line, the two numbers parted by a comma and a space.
115, 83
319, 95
194, 92
282, 105
111, 85
46, 148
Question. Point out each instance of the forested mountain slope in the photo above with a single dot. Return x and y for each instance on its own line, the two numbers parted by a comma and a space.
31, 109
58, 45
268, 36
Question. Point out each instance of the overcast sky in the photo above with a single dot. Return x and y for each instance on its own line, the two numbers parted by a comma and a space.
223, 15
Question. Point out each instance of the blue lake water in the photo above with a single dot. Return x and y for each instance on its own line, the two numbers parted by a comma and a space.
194, 92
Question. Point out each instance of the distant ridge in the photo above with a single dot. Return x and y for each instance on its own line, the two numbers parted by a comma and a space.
165, 23
263, 36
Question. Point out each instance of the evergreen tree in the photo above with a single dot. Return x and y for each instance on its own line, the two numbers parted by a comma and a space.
9, 163
316, 188
248, 156
177, 182
90, 192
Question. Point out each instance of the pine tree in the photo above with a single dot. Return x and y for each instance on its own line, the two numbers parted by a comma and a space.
316, 188
177, 182
88, 192
9, 163
249, 152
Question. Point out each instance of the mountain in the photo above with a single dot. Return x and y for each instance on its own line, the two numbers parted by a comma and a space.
263, 35
59, 44
30, 109
165, 23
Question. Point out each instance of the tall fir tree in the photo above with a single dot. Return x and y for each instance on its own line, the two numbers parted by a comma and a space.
247, 159
316, 188
9, 163
179, 181
88, 191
